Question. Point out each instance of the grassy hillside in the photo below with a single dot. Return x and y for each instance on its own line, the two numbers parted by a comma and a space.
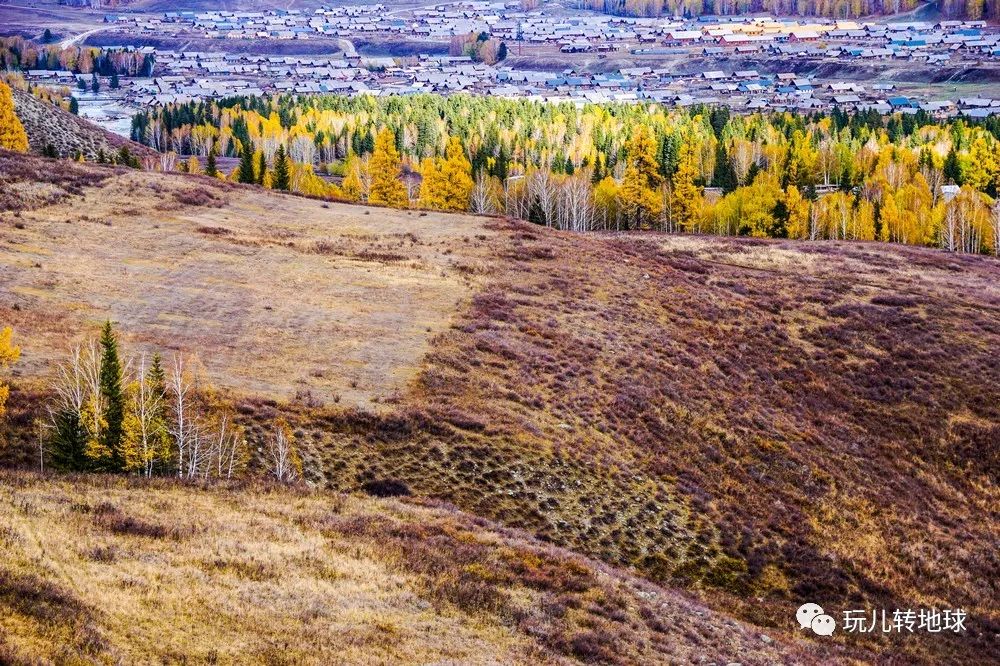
103, 570
761, 422
49, 125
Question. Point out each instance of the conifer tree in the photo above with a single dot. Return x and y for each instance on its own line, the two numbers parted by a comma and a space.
113, 399
351, 187
457, 172
281, 180
68, 443
261, 169
386, 187
246, 172
211, 169
687, 196
12, 134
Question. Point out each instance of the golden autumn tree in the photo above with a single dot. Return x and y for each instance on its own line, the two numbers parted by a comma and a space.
386, 188
687, 199
639, 191
432, 184
457, 171
352, 186
447, 183
9, 353
12, 134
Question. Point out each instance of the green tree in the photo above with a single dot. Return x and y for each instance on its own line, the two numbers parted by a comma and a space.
246, 172
211, 168
261, 169
68, 442
280, 179
113, 398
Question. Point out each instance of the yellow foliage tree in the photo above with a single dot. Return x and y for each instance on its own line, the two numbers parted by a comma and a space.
386, 188
9, 353
12, 134
351, 187
687, 199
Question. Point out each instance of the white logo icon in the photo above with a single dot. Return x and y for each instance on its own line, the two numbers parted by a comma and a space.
811, 616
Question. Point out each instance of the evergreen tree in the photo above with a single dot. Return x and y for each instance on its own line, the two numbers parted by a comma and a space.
47, 36
95, 85
281, 180
113, 398
114, 81
211, 168
246, 173
261, 170
724, 175
952, 169
68, 442
74, 106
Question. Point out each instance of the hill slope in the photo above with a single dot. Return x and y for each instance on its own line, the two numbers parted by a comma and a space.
165, 573
764, 422
49, 125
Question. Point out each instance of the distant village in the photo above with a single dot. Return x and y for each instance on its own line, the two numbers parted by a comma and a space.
663, 43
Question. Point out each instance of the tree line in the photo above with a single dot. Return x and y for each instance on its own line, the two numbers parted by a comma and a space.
847, 176
843, 9
18, 53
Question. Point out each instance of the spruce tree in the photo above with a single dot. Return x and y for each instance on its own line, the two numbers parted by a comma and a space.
211, 169
281, 180
261, 169
113, 398
68, 444
246, 174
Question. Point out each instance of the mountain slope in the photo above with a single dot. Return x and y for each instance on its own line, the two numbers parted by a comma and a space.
49, 125
765, 423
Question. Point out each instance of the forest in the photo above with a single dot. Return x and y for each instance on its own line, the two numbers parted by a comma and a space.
17, 53
902, 178
966, 9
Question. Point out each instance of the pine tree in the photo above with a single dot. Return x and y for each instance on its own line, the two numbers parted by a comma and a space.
952, 169
113, 398
246, 173
211, 169
95, 85
386, 187
260, 171
68, 442
281, 179
12, 134
114, 81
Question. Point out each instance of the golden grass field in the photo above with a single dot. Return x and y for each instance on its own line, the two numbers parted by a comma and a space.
106, 570
276, 295
758, 423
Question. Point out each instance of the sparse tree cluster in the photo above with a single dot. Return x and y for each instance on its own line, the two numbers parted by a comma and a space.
111, 413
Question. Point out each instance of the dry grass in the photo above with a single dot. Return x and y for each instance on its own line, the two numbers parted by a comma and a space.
278, 295
763, 422
48, 125
263, 575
